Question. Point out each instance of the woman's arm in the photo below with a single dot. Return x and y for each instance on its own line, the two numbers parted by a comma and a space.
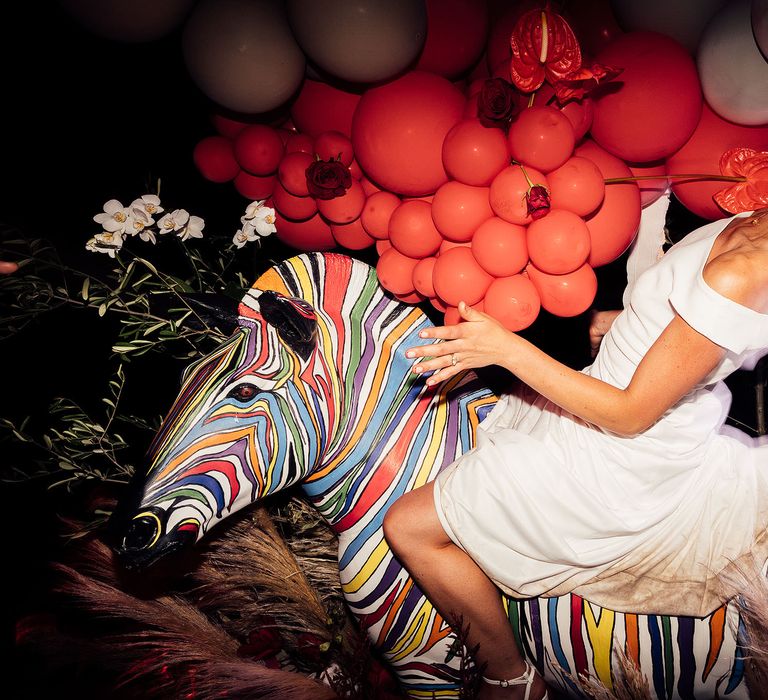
678, 360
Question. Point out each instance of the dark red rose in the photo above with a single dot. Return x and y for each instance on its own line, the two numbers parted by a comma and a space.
328, 179
263, 643
537, 200
496, 103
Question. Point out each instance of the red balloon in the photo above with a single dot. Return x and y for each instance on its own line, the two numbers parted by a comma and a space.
452, 315
412, 231
320, 107
558, 242
579, 112
456, 34
503, 20
499, 247
395, 271
653, 106
457, 277
369, 187
398, 131
292, 172
412, 298
258, 149
440, 305
291, 206
614, 225
422, 276
344, 209
565, 295
382, 244
594, 24
377, 212
701, 154
577, 185
215, 159
508, 191
513, 301
227, 126
474, 154
447, 245
541, 137
650, 190
352, 236
254, 186
356, 172
458, 209
311, 235
300, 142
333, 144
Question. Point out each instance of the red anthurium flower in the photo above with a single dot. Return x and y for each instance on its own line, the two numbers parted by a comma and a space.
750, 193
577, 84
543, 47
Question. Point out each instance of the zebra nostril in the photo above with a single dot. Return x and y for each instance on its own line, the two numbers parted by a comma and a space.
141, 533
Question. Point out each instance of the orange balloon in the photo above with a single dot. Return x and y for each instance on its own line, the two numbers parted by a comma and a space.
254, 186
474, 154
579, 112
558, 242
352, 235
377, 212
412, 298
342, 210
334, 144
458, 209
440, 305
412, 231
310, 235
452, 315
447, 245
292, 172
650, 190
321, 107
565, 295
513, 301
291, 206
457, 277
541, 137
369, 187
398, 131
382, 245
614, 225
577, 185
395, 271
508, 191
258, 149
499, 247
422, 276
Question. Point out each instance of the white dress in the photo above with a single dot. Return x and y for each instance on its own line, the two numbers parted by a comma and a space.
548, 504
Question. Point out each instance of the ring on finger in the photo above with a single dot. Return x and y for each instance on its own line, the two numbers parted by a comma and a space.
454, 360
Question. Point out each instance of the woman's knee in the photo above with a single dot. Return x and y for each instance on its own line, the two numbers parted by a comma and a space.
412, 522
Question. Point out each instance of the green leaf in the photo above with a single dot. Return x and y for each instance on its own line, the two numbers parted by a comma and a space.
102, 309
86, 287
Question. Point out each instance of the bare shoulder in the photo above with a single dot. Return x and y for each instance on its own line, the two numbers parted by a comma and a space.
740, 272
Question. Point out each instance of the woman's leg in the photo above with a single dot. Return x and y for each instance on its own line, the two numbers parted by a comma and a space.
457, 587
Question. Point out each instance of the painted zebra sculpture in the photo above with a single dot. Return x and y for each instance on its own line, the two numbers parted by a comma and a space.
313, 389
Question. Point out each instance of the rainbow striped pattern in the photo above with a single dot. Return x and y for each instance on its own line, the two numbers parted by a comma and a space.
356, 429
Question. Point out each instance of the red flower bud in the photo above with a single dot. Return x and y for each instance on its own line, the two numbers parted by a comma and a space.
328, 179
537, 201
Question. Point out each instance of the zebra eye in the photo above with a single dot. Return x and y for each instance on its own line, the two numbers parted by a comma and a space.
243, 392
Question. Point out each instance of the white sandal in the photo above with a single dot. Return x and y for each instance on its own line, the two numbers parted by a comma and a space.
525, 679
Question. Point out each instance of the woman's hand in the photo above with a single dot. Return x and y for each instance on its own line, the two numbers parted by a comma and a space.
478, 341
6, 268
599, 324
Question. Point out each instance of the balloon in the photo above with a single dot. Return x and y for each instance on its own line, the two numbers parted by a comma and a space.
458, 209
395, 271
456, 34
502, 23
214, 158
412, 298
412, 231
356, 171
508, 192
579, 112
558, 242
733, 71
344, 209
129, 20
541, 137
614, 225
291, 206
593, 23
653, 106
682, 20
447, 245
422, 276
352, 235
457, 277
759, 18
242, 54
310, 235
258, 149
321, 107
565, 295
363, 41
382, 245
438, 304
226, 126
302, 143
474, 154
513, 301
577, 185
334, 144
369, 187
650, 190
701, 154
377, 212
398, 131
452, 315
499, 247
292, 172
254, 186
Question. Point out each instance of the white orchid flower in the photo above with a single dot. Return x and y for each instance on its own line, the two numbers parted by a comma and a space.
137, 222
149, 203
108, 242
193, 229
252, 209
174, 221
241, 238
114, 216
148, 235
263, 221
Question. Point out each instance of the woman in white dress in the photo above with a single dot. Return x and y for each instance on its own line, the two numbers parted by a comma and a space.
620, 482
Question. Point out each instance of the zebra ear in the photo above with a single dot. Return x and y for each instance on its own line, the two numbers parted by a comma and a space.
212, 309
294, 320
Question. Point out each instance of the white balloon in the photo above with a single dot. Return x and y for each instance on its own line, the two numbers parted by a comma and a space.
760, 24
733, 72
242, 54
129, 20
683, 20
